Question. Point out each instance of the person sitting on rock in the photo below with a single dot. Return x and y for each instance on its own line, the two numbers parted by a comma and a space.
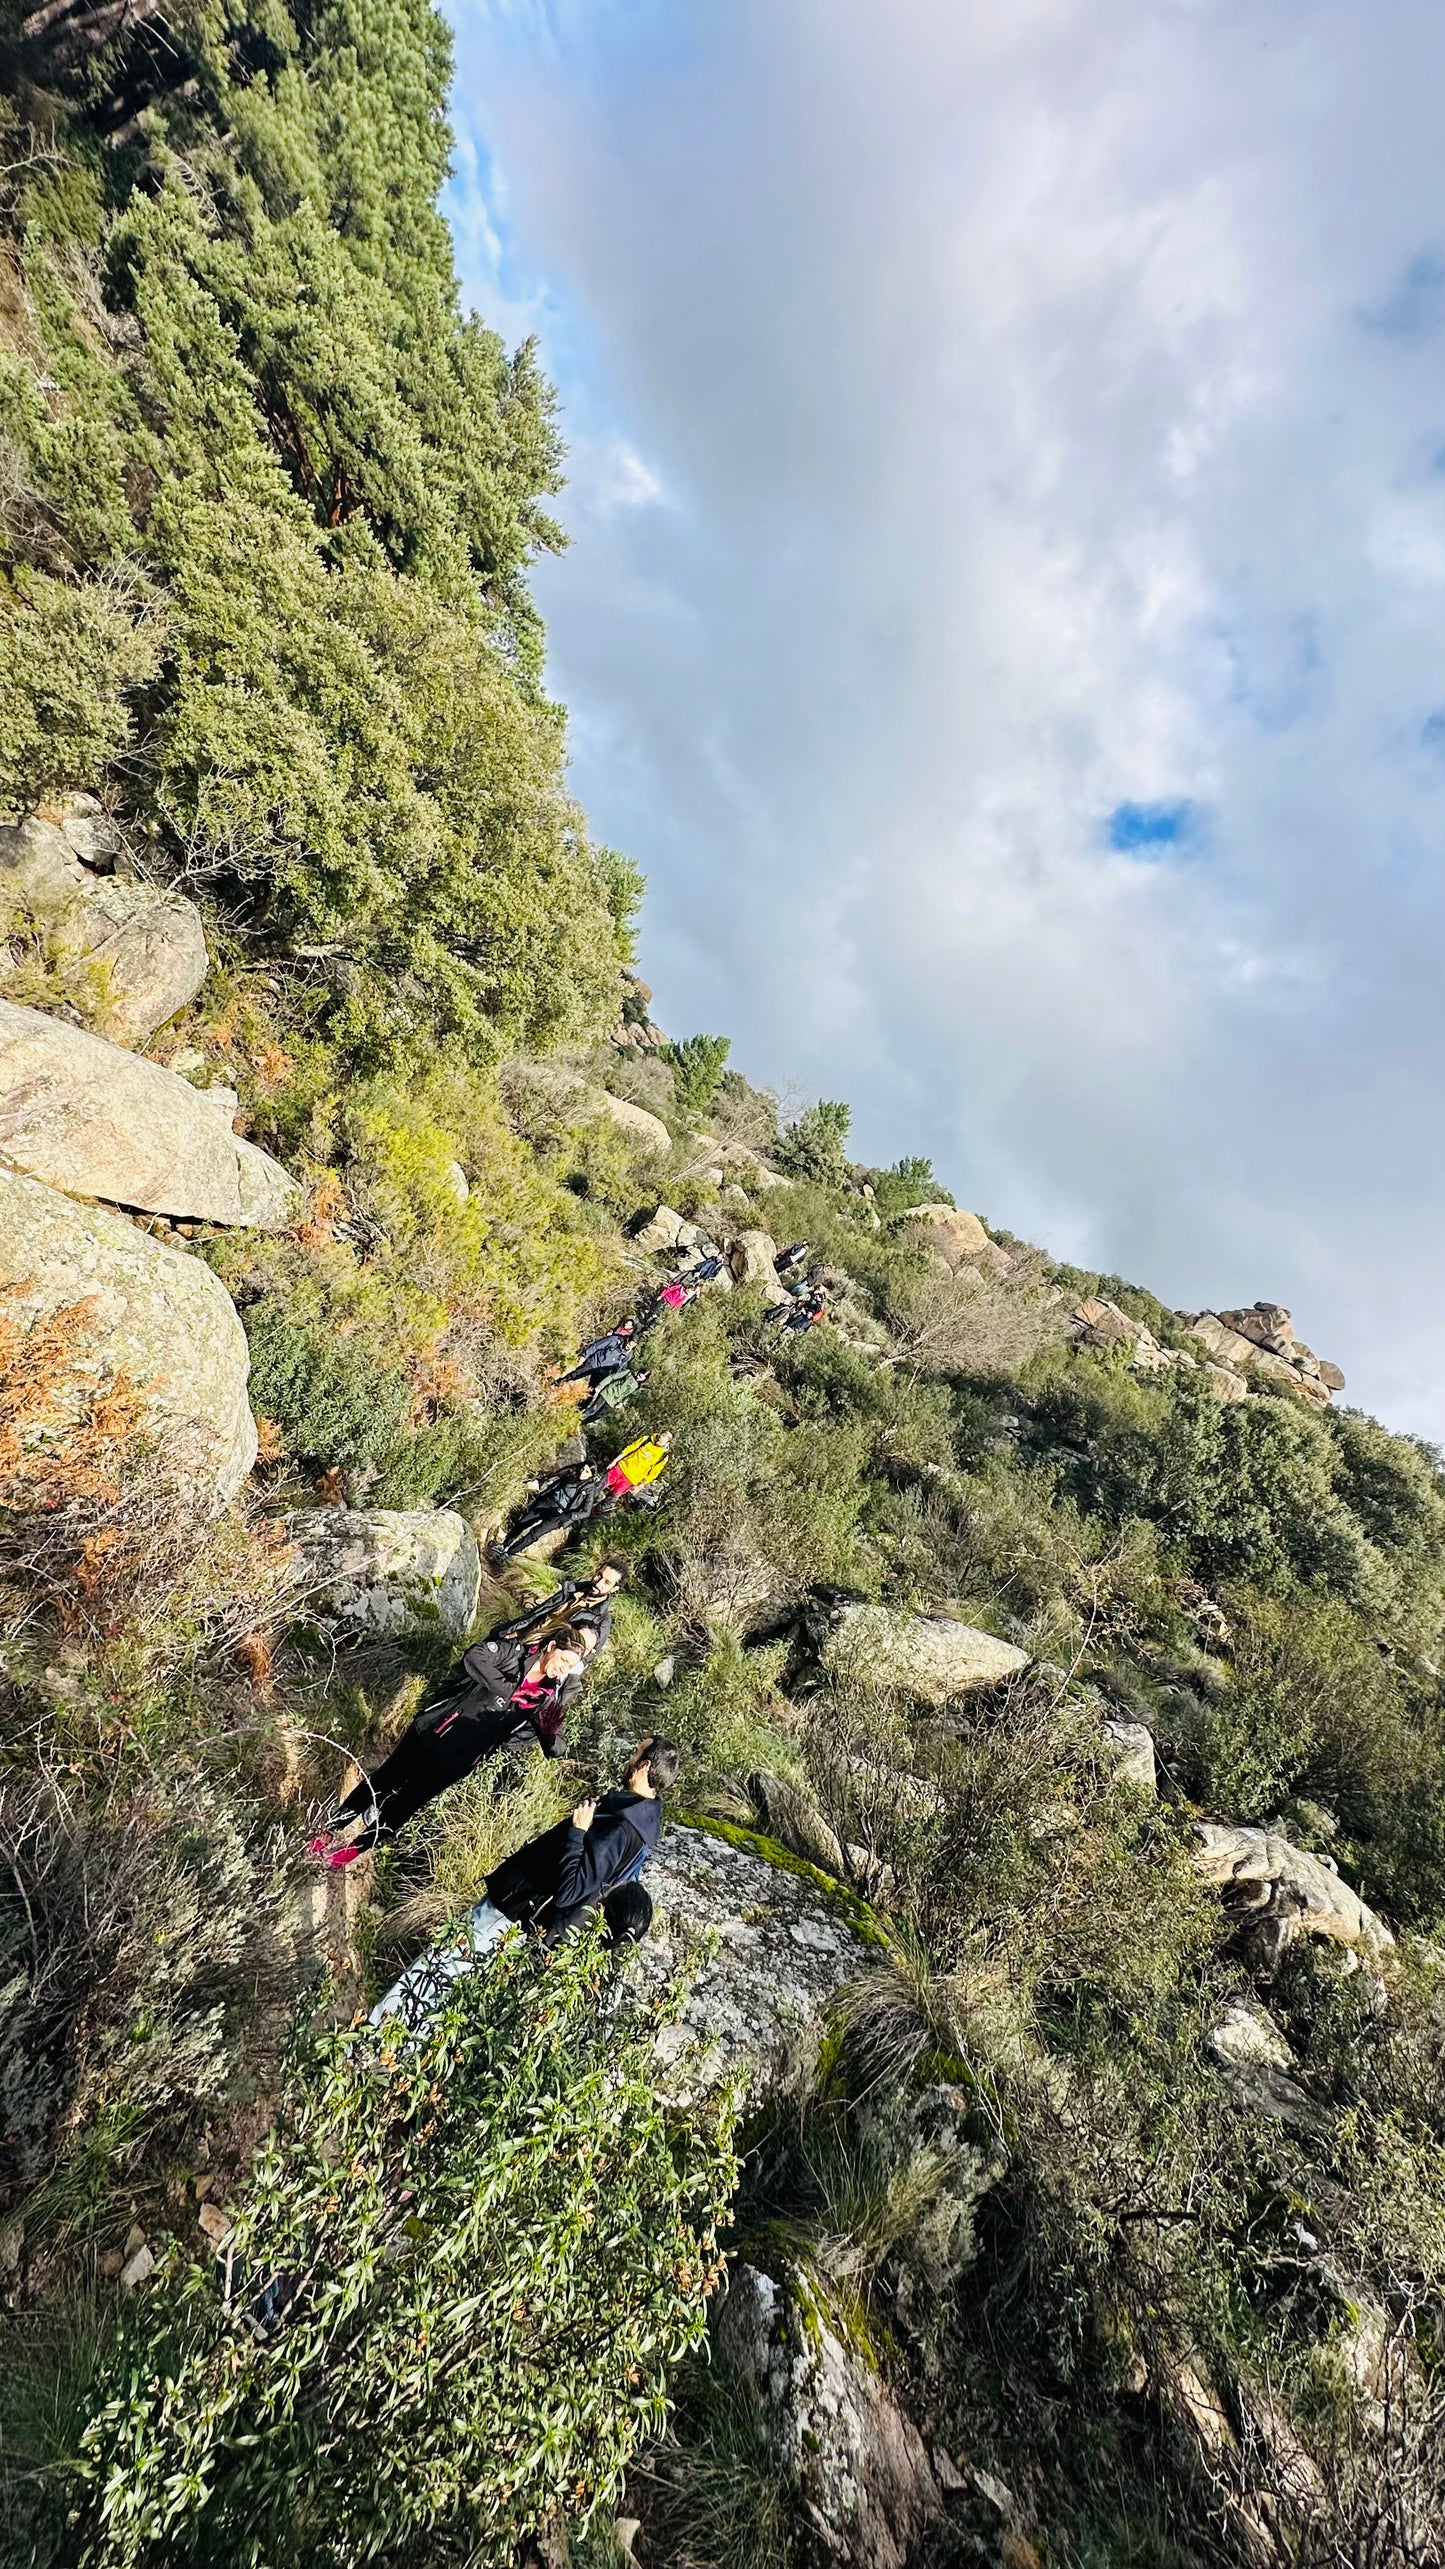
613, 1392
638, 1467
503, 1693
589, 1861
566, 1500
603, 1356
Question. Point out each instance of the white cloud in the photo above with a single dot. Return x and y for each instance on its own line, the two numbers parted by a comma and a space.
983, 416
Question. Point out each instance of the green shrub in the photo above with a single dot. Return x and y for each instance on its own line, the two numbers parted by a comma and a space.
813, 1147
497, 2243
697, 1066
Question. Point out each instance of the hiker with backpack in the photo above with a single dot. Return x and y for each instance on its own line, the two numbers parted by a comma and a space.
567, 1499
603, 1356
613, 1392
804, 1311
505, 1692
592, 1860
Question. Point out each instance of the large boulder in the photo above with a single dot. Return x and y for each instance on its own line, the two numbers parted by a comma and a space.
95, 1121
768, 1945
662, 1229
390, 1570
928, 1655
961, 1236
136, 952
130, 953
1279, 1891
149, 1312
856, 2464
752, 1259
647, 1133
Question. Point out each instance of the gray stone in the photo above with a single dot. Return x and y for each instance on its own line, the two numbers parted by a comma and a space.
752, 1259
93, 1120
647, 1133
857, 2464
660, 1229
1225, 1345
1279, 1891
769, 1949
153, 1312
932, 1656
39, 869
138, 955
1130, 1747
390, 1570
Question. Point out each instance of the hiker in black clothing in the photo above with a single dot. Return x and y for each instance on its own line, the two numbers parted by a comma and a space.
591, 1860
568, 1499
584, 1605
503, 1693
791, 1257
603, 1356
803, 1312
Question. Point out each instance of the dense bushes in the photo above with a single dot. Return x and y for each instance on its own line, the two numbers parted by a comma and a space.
488, 2247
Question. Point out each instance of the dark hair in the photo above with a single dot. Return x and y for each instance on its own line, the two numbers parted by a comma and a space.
567, 1636
612, 1562
662, 1758
626, 1914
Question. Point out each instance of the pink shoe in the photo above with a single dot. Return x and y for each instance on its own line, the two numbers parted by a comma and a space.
340, 1855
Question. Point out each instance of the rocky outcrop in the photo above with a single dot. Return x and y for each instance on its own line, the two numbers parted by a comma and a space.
857, 2465
390, 1570
959, 1236
768, 1942
1278, 1891
93, 1120
931, 1656
130, 953
1258, 1341
149, 1312
663, 1228
647, 1133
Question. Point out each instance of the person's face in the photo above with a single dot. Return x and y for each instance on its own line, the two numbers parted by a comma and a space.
560, 1663
608, 1582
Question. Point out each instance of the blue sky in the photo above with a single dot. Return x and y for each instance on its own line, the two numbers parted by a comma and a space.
1004, 616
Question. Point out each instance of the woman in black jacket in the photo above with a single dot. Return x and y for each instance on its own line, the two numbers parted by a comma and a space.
504, 1692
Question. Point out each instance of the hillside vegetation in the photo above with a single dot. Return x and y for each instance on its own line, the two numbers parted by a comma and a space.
1173, 2292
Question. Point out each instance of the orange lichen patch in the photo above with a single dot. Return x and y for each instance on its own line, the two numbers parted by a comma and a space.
270, 1443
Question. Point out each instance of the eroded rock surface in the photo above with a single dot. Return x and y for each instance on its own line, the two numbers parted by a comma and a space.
931, 1656
1279, 1891
775, 1948
390, 1570
86, 1117
838, 2436
150, 1312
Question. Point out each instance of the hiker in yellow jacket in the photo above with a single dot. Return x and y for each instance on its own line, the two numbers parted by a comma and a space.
638, 1466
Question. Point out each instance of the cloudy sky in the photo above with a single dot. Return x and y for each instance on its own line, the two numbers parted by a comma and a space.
1004, 614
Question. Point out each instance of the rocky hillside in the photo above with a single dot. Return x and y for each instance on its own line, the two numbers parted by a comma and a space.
1022, 2136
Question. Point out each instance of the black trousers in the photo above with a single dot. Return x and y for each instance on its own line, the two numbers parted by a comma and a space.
402, 1785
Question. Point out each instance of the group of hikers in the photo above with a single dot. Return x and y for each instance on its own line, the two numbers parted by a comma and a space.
514, 1689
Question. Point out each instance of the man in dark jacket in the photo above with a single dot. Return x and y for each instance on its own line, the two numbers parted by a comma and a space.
565, 1501
502, 1693
584, 1605
551, 1884
603, 1356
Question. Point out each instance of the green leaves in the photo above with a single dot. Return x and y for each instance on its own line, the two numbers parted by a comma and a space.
493, 2243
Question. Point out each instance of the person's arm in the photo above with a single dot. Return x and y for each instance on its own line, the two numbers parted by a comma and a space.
582, 1875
